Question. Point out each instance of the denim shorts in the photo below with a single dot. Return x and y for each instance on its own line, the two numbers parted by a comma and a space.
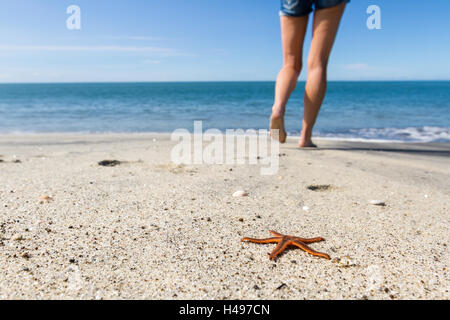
298, 8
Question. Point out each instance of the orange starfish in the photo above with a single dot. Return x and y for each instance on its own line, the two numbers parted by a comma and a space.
284, 241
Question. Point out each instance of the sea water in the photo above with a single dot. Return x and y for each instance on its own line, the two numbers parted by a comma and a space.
401, 111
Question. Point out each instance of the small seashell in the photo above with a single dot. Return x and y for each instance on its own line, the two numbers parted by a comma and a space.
240, 194
46, 198
17, 237
380, 203
346, 261
305, 208
26, 255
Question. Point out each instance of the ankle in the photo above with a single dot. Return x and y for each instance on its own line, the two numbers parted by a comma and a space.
306, 136
278, 112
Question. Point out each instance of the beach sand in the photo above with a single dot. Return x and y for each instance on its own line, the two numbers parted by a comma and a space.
149, 229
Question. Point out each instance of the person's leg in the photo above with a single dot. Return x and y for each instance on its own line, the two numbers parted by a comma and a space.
293, 30
325, 27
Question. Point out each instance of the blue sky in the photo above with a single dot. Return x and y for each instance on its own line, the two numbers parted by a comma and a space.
211, 40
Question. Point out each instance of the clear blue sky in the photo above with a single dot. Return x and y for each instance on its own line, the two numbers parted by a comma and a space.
209, 40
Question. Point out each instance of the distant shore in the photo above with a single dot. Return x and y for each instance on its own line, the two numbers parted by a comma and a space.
149, 229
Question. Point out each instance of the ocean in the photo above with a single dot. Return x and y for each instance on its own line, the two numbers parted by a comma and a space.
396, 111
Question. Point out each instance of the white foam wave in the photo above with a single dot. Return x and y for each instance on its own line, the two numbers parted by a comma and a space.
411, 134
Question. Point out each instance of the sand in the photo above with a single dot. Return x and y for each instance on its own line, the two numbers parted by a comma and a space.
148, 229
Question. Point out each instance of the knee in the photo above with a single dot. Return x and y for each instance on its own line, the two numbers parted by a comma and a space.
293, 63
317, 66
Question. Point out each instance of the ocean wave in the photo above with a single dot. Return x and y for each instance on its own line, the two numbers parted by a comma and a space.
410, 134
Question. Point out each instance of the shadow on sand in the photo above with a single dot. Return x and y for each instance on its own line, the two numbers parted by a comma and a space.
426, 149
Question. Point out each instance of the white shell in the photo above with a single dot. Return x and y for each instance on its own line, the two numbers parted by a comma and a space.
378, 203
240, 193
347, 261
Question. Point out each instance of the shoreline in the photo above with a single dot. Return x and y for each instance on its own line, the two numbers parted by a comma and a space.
21, 135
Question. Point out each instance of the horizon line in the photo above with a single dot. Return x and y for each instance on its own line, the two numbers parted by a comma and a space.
217, 81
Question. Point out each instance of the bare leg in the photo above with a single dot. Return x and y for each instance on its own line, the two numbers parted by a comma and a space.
293, 30
325, 27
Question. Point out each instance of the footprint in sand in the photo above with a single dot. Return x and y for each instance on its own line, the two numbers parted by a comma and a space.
109, 163
319, 187
12, 161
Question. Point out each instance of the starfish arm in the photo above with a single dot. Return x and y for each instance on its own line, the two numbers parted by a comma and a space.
278, 249
312, 240
304, 247
268, 240
276, 234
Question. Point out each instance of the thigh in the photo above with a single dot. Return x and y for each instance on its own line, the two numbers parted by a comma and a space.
325, 4
325, 27
293, 30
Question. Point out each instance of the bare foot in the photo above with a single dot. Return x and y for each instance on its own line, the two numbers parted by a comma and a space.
306, 144
277, 122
